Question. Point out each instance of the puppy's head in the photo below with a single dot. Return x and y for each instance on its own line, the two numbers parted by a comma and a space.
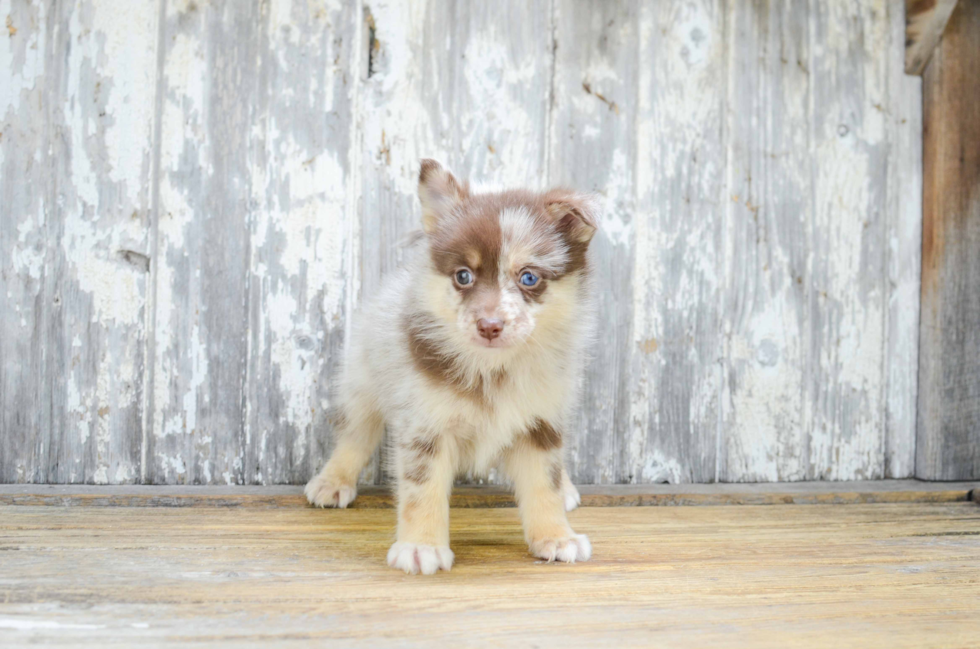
503, 264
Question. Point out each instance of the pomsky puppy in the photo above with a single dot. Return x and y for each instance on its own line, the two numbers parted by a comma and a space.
471, 356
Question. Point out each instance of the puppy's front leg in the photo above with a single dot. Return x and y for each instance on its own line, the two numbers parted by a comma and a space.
425, 479
536, 471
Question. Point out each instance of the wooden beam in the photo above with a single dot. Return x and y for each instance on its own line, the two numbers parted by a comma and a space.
275, 497
948, 431
925, 21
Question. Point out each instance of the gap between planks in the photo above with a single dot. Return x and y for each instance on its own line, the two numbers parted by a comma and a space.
370, 497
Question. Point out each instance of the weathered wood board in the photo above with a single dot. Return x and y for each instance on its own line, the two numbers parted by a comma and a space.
196, 196
468, 496
898, 575
591, 147
769, 208
948, 442
77, 120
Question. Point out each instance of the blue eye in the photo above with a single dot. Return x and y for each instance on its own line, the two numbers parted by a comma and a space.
464, 277
529, 279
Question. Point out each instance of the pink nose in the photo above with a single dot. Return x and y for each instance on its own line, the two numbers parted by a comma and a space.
489, 328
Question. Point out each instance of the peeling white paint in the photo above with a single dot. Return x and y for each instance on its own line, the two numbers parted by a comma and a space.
716, 347
617, 215
659, 468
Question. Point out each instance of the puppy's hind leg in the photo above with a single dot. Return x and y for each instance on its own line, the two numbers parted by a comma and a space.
357, 434
569, 492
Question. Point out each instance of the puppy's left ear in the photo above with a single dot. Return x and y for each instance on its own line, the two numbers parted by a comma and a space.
577, 215
439, 192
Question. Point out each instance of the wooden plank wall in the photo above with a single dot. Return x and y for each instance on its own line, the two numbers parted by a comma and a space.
948, 445
196, 195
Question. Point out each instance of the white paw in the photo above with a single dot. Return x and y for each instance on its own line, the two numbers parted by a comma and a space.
325, 491
571, 549
427, 559
572, 498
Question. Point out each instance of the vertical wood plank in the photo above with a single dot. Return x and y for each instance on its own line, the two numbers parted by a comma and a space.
769, 208
300, 274
592, 148
78, 128
26, 51
204, 219
677, 320
847, 292
904, 240
394, 133
948, 435
466, 83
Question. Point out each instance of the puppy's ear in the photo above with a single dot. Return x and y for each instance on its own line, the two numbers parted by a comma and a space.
439, 192
576, 215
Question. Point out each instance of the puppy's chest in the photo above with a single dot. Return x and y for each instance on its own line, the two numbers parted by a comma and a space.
521, 397
496, 404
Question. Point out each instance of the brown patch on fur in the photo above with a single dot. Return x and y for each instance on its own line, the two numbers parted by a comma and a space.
471, 237
419, 453
419, 473
556, 476
578, 259
411, 508
575, 222
429, 359
441, 367
543, 435
423, 447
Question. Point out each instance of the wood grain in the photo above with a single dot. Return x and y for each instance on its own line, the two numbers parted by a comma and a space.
23, 241
677, 312
903, 231
948, 439
198, 196
76, 148
769, 208
299, 274
369, 497
818, 576
845, 362
210, 97
592, 148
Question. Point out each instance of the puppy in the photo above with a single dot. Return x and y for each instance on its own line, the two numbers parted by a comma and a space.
471, 356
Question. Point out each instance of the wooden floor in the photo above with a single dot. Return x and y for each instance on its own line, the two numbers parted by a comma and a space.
881, 575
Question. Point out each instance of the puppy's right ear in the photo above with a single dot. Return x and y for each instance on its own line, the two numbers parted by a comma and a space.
439, 192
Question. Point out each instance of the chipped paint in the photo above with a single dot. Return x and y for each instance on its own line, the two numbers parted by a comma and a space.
74, 150
767, 337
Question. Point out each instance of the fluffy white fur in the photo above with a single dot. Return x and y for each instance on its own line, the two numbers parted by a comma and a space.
483, 410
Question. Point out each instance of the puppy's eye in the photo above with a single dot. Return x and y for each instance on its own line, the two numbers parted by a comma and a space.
529, 279
464, 277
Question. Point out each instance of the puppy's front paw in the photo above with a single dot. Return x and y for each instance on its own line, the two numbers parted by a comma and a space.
327, 491
427, 559
571, 549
